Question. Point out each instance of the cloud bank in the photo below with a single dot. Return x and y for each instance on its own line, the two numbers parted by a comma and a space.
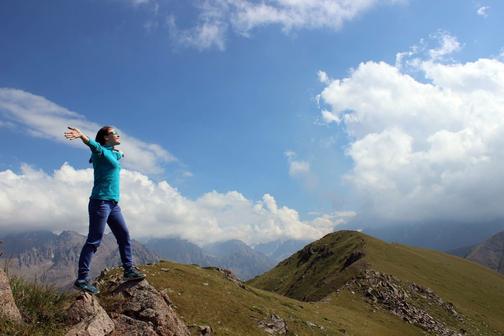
40, 117
58, 202
217, 17
424, 149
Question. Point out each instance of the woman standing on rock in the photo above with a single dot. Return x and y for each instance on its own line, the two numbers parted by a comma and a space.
104, 205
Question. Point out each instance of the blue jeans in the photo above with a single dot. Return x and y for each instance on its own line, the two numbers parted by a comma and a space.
101, 213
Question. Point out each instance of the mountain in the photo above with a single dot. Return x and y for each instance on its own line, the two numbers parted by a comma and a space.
346, 283
278, 250
179, 250
439, 235
462, 252
240, 258
429, 289
234, 255
490, 253
52, 259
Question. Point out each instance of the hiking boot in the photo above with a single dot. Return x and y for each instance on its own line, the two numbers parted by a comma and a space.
85, 286
133, 274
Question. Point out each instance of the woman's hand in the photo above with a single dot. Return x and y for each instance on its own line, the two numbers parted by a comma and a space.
75, 133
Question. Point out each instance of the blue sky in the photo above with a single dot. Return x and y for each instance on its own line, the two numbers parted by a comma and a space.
233, 94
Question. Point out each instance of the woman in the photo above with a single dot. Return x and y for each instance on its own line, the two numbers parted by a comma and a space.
104, 205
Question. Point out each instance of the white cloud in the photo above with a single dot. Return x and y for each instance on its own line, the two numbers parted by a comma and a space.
140, 2
296, 167
205, 35
217, 17
323, 77
43, 118
449, 45
329, 117
483, 11
424, 150
411, 60
33, 199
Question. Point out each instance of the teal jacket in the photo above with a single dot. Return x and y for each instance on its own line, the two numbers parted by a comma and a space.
107, 170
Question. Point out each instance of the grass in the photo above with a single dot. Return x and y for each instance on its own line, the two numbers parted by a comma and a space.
42, 308
205, 297
476, 292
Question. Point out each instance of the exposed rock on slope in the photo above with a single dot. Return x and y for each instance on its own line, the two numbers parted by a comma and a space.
351, 260
133, 308
7, 304
88, 317
389, 293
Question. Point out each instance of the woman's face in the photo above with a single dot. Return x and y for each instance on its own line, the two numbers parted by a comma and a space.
112, 138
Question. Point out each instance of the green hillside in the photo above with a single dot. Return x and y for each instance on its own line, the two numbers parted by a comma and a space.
347, 283
206, 297
315, 272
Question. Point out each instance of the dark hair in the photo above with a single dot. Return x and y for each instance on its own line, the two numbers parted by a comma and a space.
100, 136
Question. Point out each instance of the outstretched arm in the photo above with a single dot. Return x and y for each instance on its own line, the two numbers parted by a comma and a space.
75, 133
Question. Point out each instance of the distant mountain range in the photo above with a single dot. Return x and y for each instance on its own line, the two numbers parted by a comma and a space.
489, 253
52, 259
244, 261
239, 258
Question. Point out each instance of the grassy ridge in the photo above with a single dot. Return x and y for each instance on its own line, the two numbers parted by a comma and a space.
205, 297
317, 270
476, 292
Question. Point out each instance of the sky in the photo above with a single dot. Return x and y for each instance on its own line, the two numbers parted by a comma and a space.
254, 120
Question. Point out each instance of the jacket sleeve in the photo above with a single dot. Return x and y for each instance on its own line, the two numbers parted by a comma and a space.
95, 147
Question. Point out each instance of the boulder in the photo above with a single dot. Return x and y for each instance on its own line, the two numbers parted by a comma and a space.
125, 325
9, 308
88, 317
274, 325
152, 310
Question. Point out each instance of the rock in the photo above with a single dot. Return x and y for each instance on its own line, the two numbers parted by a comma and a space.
228, 275
88, 317
125, 325
139, 301
391, 294
9, 308
201, 330
274, 325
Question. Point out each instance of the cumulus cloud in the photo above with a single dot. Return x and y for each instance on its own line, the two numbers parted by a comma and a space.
424, 150
58, 201
40, 117
217, 17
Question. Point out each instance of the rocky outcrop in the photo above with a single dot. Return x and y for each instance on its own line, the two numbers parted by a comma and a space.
402, 300
228, 275
201, 330
88, 317
142, 310
132, 308
274, 325
9, 309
